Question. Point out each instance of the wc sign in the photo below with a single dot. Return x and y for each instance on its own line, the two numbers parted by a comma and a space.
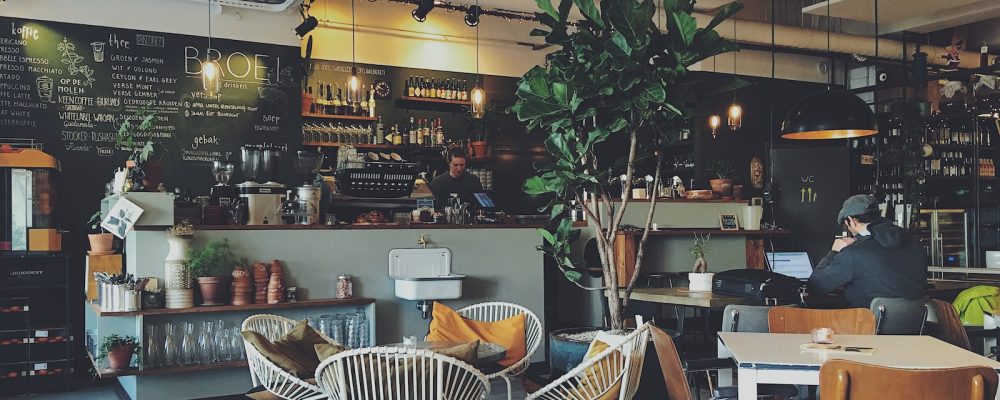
808, 194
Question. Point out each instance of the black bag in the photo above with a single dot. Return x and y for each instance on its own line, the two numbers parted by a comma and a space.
767, 287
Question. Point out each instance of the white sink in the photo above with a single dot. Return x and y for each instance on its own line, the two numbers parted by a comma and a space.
424, 274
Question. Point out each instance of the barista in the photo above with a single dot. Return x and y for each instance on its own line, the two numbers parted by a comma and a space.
456, 181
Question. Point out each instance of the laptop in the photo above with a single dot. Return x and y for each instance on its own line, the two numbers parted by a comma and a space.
793, 264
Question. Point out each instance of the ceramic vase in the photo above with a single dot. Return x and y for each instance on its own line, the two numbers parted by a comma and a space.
177, 275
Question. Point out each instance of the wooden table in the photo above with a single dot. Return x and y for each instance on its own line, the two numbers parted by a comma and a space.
776, 358
487, 352
682, 297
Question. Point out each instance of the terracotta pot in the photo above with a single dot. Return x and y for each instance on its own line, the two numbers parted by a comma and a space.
120, 357
307, 101
152, 175
212, 290
480, 149
100, 243
738, 192
722, 187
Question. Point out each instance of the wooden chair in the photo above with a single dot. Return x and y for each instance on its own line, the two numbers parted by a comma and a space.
619, 364
675, 375
947, 325
266, 373
849, 380
851, 321
393, 373
533, 333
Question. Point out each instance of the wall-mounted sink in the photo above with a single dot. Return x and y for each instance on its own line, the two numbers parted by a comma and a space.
424, 274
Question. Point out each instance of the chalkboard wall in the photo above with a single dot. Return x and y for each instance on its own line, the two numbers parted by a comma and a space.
70, 87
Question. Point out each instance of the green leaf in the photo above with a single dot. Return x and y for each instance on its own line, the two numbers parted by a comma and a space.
621, 43
724, 13
546, 5
685, 26
559, 90
564, 8
549, 238
535, 185
556, 211
590, 12
538, 32
653, 92
618, 124
573, 275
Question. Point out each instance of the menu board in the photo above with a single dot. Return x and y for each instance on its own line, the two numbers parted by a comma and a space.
71, 86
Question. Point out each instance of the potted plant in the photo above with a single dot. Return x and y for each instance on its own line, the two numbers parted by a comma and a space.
479, 148
614, 76
699, 279
211, 264
118, 350
145, 172
722, 185
101, 241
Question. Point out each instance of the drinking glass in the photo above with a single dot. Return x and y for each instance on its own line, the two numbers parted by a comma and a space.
171, 349
221, 344
236, 343
364, 339
154, 349
352, 330
189, 345
206, 345
324, 324
337, 328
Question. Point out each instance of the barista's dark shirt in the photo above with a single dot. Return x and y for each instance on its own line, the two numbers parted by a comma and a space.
465, 185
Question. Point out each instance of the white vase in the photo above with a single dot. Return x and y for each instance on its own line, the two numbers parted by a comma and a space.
700, 281
176, 271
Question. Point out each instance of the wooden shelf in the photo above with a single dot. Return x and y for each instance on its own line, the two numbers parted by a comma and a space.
666, 200
229, 308
107, 373
340, 117
372, 146
716, 231
434, 100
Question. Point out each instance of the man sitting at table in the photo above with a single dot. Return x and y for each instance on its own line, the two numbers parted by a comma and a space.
880, 260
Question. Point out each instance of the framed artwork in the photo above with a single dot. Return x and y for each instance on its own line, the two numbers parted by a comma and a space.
729, 222
121, 218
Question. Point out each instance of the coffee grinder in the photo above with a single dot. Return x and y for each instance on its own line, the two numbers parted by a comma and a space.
307, 164
263, 200
222, 194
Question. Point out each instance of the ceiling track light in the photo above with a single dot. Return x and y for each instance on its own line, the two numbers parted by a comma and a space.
307, 25
424, 8
472, 15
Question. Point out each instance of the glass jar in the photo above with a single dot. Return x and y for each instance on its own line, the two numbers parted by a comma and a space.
345, 288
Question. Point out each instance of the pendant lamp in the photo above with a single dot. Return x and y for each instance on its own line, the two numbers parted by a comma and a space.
735, 113
478, 95
830, 114
353, 84
713, 122
211, 71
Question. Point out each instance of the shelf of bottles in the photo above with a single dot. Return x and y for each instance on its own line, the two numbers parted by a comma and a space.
415, 133
952, 146
433, 90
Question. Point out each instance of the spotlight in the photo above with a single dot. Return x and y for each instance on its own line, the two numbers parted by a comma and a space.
306, 26
424, 8
472, 15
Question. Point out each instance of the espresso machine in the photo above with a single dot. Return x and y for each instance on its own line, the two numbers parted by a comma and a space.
261, 193
307, 164
222, 194
28, 207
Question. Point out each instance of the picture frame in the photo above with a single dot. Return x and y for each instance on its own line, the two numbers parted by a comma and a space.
729, 222
121, 218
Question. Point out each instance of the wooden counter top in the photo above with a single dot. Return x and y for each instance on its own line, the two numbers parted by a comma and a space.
345, 227
231, 308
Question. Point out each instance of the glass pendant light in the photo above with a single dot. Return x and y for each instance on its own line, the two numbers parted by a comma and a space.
211, 71
735, 112
713, 122
830, 114
353, 84
477, 95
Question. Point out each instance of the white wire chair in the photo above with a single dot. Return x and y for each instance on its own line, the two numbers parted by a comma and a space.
621, 362
391, 373
266, 373
496, 311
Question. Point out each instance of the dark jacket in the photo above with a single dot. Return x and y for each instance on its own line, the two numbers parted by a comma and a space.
887, 263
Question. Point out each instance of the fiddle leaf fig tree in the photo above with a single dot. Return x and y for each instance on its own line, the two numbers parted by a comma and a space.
615, 76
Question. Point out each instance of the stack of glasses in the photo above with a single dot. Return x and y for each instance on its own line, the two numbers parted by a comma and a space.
181, 344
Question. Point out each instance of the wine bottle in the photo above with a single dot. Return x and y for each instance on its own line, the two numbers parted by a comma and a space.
330, 104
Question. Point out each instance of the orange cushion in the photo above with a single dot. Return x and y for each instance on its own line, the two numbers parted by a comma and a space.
594, 375
447, 325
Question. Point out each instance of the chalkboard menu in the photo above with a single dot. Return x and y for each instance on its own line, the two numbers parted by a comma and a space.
71, 86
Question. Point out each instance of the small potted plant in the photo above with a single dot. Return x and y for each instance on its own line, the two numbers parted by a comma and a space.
118, 350
145, 171
479, 148
722, 185
100, 239
211, 264
700, 280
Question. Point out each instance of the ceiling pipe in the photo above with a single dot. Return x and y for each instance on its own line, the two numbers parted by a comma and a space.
809, 39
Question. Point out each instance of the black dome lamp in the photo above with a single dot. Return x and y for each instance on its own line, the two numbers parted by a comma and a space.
832, 113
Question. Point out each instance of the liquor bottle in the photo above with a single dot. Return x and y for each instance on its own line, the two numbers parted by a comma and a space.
439, 137
451, 89
418, 84
428, 139
427, 87
409, 86
336, 105
312, 105
433, 86
363, 111
330, 104
442, 90
377, 137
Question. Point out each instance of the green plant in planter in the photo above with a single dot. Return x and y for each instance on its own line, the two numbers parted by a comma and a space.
94, 223
698, 250
110, 349
216, 259
146, 170
614, 76
721, 169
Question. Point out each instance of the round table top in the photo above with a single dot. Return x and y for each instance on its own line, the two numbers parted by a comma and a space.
487, 352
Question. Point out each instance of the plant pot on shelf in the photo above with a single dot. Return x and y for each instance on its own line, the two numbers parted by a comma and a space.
152, 175
722, 187
480, 149
120, 357
101, 243
307, 102
738, 192
212, 290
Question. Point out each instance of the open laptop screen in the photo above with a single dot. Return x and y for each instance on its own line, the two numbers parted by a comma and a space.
794, 264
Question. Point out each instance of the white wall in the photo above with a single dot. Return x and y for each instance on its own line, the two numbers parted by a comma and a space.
170, 16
